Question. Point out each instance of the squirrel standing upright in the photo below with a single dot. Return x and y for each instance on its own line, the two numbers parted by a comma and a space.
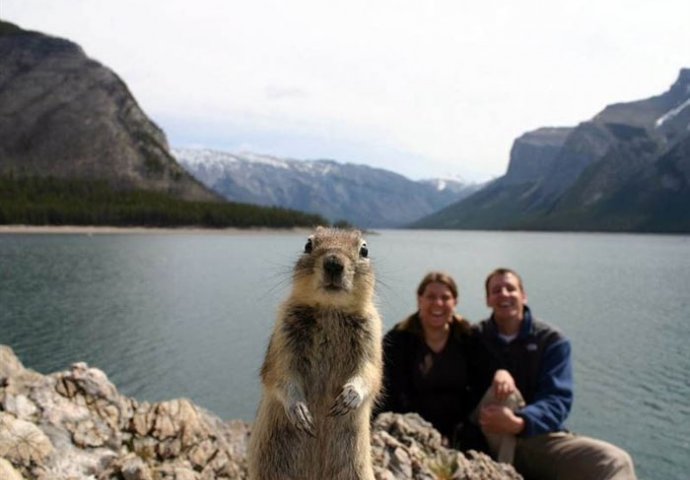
323, 368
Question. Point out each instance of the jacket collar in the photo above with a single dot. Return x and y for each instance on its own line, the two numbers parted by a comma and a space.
525, 325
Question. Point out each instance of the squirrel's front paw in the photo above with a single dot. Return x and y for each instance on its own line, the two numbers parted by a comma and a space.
299, 415
349, 399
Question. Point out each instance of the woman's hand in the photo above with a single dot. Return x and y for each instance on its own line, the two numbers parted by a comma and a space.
503, 385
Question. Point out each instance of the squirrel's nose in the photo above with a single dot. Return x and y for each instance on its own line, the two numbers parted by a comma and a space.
333, 265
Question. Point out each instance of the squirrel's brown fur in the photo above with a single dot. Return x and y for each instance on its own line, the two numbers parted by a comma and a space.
323, 368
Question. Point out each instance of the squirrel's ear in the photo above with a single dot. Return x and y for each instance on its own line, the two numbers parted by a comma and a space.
309, 246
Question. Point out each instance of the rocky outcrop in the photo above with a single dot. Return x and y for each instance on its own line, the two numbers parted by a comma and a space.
75, 425
64, 115
407, 447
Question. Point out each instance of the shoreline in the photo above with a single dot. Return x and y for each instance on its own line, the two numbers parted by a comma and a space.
107, 230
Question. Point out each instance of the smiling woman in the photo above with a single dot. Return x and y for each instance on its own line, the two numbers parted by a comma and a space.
437, 297
425, 369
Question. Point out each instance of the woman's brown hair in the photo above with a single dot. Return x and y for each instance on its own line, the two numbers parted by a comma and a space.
438, 277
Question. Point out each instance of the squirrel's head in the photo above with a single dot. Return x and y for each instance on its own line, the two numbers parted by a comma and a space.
334, 269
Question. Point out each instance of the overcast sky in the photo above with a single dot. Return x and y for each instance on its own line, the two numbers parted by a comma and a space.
424, 88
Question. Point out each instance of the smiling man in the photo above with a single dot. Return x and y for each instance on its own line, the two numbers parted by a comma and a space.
537, 356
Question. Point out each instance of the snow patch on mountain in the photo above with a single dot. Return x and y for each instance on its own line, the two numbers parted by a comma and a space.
362, 195
672, 113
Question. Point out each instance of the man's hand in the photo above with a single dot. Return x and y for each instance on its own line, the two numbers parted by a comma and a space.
497, 419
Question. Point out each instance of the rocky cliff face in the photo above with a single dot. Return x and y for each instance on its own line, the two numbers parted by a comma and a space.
533, 153
362, 195
660, 117
75, 425
623, 170
65, 115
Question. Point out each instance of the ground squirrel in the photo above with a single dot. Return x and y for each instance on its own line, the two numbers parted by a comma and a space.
323, 368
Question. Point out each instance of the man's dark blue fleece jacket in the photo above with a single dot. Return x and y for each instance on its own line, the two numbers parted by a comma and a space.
539, 361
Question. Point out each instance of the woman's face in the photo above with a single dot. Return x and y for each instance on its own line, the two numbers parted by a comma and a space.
436, 305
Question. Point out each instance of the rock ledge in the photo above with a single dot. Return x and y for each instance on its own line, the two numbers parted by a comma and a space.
75, 425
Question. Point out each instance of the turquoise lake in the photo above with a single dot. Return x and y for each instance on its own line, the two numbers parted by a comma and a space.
189, 314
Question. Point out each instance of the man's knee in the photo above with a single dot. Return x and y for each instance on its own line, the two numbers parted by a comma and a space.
609, 462
572, 457
621, 464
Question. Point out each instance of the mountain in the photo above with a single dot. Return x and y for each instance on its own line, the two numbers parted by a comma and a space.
626, 169
359, 194
75, 147
65, 115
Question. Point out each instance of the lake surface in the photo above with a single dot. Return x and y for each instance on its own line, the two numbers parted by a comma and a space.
189, 315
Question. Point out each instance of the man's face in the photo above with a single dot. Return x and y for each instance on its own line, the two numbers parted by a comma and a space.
506, 297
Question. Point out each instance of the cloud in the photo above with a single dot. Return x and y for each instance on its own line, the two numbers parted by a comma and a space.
274, 92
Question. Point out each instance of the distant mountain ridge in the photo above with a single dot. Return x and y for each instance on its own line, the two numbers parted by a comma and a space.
359, 194
65, 115
72, 123
626, 169
76, 149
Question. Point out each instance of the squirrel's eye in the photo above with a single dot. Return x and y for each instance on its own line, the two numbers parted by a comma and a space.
363, 251
308, 246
